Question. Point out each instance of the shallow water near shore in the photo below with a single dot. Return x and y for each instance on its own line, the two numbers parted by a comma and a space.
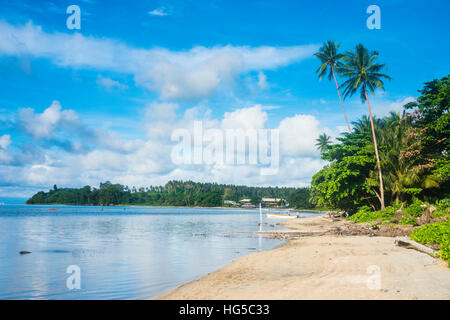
121, 252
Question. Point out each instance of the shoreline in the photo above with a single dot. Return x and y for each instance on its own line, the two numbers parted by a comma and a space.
317, 263
151, 206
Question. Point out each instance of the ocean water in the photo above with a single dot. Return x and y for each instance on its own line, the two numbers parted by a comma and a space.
118, 252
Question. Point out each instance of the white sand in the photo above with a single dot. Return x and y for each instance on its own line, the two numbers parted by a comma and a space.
325, 267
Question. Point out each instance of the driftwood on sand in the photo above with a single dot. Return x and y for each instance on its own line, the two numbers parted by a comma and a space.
410, 244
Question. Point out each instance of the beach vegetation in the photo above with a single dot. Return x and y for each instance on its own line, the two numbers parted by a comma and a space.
364, 74
366, 214
414, 149
436, 233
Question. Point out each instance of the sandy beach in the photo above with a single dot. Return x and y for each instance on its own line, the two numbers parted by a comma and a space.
318, 263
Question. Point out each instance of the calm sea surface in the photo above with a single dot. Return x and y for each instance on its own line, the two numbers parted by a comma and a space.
121, 252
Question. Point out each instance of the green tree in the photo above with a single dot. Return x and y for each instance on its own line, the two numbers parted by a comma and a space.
300, 199
255, 200
177, 193
331, 61
364, 74
343, 182
403, 159
323, 142
430, 119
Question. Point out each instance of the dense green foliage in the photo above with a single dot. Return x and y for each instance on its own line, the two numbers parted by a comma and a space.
174, 193
412, 211
433, 233
341, 184
414, 152
436, 233
431, 126
366, 214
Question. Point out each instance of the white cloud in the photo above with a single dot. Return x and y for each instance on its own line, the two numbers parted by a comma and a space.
341, 129
380, 105
43, 125
266, 108
320, 101
382, 108
110, 84
298, 135
5, 141
64, 127
149, 162
193, 74
245, 118
297, 171
262, 80
158, 12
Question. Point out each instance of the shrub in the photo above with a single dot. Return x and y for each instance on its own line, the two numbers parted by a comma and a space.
442, 209
408, 220
416, 209
365, 214
436, 233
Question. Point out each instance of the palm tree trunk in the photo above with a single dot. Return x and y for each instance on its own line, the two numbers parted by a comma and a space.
340, 99
376, 152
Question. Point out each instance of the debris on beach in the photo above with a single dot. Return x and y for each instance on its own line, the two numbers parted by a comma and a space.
375, 228
410, 244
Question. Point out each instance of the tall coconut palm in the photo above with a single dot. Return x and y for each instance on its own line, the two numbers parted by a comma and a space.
364, 74
323, 142
331, 62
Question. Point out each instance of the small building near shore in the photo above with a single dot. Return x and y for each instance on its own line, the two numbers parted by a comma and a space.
246, 203
274, 202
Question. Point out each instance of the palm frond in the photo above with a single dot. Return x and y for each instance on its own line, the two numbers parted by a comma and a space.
329, 58
362, 72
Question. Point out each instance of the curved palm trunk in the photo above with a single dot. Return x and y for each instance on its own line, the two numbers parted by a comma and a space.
381, 196
340, 99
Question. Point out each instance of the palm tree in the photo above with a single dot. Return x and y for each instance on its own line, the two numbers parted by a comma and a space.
363, 125
323, 142
364, 73
330, 60
404, 174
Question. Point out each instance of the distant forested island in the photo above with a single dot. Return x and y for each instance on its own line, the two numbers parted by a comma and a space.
174, 193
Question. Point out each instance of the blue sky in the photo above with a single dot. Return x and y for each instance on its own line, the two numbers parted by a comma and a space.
134, 67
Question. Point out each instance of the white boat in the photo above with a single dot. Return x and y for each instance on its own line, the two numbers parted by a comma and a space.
281, 215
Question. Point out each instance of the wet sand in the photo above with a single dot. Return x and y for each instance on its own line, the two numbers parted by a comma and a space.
315, 263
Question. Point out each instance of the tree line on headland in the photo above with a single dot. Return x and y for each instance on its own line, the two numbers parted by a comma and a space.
173, 193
